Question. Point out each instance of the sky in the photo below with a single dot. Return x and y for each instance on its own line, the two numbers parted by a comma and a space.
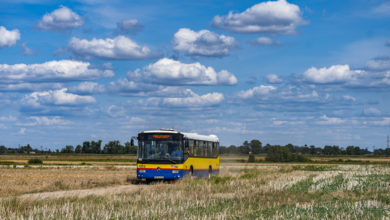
302, 72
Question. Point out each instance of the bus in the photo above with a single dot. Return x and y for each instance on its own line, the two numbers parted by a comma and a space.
170, 154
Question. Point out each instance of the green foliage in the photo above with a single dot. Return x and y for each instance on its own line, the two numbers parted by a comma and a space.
35, 161
3, 149
282, 154
251, 158
67, 149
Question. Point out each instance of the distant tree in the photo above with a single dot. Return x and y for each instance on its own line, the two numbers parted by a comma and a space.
245, 148
128, 149
3, 149
67, 149
86, 147
256, 146
282, 154
95, 147
78, 149
113, 147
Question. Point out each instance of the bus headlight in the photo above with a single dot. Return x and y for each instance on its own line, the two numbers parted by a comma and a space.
142, 171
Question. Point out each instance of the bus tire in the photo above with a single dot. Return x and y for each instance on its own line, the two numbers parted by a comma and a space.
191, 171
210, 171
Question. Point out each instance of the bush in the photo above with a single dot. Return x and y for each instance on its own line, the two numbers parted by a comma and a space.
251, 158
282, 154
35, 161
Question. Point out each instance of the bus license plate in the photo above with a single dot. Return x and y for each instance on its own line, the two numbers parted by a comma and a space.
159, 177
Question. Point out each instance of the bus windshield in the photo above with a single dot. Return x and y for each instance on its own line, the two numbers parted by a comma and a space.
160, 147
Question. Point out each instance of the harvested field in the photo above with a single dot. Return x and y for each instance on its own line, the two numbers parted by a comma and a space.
17, 181
263, 191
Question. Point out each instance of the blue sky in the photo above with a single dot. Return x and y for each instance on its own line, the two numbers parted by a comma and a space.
302, 72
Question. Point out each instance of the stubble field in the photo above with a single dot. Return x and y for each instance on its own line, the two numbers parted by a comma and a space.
264, 191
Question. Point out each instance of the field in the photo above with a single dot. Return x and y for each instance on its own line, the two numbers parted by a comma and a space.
248, 191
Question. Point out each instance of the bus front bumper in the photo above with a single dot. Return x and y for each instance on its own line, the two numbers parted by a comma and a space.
159, 174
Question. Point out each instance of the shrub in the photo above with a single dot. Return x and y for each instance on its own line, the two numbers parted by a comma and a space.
282, 154
251, 158
35, 161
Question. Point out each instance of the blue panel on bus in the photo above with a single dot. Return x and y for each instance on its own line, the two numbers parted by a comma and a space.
159, 174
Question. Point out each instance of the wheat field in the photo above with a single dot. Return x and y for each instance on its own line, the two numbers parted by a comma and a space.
261, 192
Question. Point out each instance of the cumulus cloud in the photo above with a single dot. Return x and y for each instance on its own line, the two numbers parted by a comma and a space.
46, 121
28, 87
88, 88
265, 41
60, 19
203, 43
261, 90
172, 72
273, 78
333, 74
325, 120
56, 97
8, 37
379, 64
192, 100
275, 17
130, 26
118, 48
62, 70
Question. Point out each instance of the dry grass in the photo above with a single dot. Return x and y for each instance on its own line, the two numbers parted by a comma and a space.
16, 181
263, 192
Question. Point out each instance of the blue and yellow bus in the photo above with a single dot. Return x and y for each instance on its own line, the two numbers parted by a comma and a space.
170, 154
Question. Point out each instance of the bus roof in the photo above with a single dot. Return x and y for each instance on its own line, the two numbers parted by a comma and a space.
194, 136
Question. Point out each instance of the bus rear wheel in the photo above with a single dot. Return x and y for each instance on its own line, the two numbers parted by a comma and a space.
210, 171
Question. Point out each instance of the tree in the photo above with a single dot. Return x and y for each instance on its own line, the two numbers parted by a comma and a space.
129, 149
67, 149
245, 148
3, 149
78, 149
256, 146
113, 147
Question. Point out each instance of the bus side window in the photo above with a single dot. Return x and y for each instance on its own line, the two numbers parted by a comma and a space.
191, 147
195, 153
210, 149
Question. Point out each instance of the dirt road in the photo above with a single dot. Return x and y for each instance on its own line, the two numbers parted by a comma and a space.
84, 192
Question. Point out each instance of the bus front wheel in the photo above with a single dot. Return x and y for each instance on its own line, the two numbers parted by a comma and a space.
192, 171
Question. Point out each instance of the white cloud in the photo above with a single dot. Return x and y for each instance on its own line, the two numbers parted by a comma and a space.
118, 48
130, 26
203, 43
195, 100
372, 111
116, 111
192, 100
325, 120
273, 78
7, 118
56, 97
333, 74
349, 98
8, 38
383, 9
168, 71
47, 121
88, 88
22, 131
379, 64
51, 71
276, 17
266, 41
26, 50
60, 19
261, 90
383, 122
24, 87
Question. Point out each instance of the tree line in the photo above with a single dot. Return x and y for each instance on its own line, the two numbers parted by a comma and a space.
254, 146
87, 147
